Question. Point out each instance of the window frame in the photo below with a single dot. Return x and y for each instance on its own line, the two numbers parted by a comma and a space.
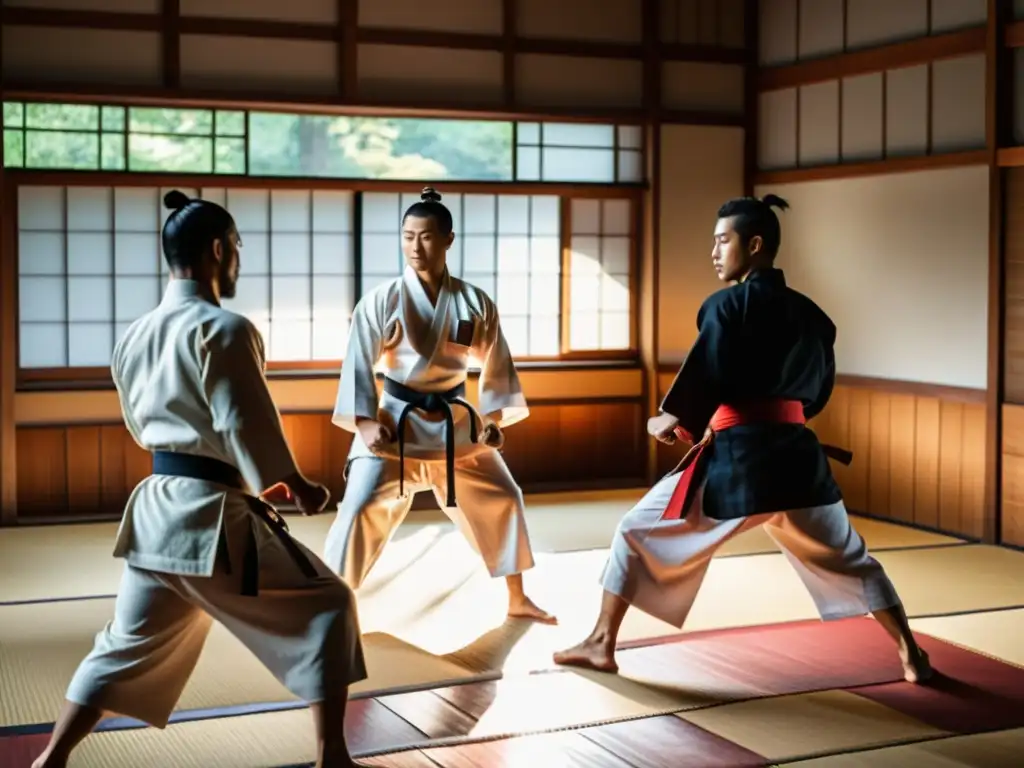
99, 377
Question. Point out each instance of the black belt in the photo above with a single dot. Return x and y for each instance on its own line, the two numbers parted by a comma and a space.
431, 402
216, 471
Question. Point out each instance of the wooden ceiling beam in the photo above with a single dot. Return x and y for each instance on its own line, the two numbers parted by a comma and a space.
878, 59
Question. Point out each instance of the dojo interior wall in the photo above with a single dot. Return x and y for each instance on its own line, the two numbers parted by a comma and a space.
899, 260
72, 453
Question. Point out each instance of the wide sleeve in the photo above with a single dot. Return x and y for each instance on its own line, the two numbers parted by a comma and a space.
357, 390
694, 395
500, 395
243, 412
828, 383
116, 361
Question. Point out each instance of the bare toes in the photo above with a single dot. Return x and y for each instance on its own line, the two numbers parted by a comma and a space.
588, 658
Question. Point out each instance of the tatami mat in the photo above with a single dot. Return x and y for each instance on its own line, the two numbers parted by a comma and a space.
434, 619
744, 697
253, 741
35, 561
789, 727
999, 633
438, 602
40, 650
1003, 749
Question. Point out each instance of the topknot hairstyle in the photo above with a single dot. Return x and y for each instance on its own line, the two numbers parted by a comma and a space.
430, 206
755, 218
190, 228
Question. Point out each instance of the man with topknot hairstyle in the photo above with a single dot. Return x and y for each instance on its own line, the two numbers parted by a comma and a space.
763, 365
199, 544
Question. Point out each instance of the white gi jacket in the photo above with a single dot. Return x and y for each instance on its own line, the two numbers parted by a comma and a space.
190, 377
427, 348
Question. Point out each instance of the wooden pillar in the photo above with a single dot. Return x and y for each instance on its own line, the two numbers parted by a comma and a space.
751, 97
8, 358
648, 267
998, 113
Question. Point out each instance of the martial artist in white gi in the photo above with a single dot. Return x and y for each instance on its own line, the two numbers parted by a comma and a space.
198, 543
423, 328
763, 364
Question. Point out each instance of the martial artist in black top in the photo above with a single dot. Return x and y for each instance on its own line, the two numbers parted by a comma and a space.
762, 364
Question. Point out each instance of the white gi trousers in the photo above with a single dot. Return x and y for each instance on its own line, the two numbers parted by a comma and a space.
305, 631
658, 565
489, 512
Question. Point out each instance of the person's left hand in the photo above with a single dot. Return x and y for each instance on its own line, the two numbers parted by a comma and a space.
492, 436
662, 427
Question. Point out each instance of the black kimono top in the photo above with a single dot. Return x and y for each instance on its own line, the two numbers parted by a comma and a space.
759, 340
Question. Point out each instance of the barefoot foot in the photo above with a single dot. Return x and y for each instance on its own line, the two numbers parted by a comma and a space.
524, 608
917, 667
590, 654
49, 761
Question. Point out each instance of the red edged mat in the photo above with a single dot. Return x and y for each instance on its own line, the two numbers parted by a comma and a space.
772, 660
972, 694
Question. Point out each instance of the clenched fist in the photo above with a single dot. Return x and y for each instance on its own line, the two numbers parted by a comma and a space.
374, 434
662, 427
492, 436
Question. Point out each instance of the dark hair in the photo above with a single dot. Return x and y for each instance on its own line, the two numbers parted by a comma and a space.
190, 229
430, 206
753, 217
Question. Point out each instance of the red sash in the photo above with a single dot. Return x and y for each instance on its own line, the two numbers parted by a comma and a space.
767, 411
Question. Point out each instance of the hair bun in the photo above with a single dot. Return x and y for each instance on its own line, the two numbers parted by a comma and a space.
176, 200
774, 201
430, 195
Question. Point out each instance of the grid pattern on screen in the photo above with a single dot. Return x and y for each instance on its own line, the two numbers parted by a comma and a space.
507, 245
600, 275
298, 283
118, 138
126, 138
579, 152
90, 263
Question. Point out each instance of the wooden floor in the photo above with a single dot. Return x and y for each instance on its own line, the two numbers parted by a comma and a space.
755, 680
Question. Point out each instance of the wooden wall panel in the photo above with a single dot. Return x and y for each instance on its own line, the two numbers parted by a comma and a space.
584, 57
544, 80
778, 27
917, 459
862, 129
820, 28
702, 22
405, 74
88, 470
958, 104
1013, 286
477, 17
877, 22
795, 30
258, 65
1013, 476
54, 55
116, 6
951, 15
703, 87
295, 11
927, 109
618, 21
907, 106
818, 131
1017, 95
777, 129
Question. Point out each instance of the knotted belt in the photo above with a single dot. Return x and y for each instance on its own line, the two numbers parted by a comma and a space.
694, 464
431, 402
216, 471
